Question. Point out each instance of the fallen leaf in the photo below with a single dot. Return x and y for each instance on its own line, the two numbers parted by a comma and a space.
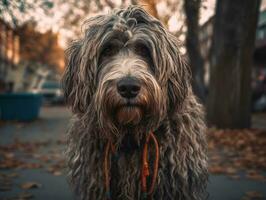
57, 173
13, 175
30, 185
254, 195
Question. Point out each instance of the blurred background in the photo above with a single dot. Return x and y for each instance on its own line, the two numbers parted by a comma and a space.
223, 41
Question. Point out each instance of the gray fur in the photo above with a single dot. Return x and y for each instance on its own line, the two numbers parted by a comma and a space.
175, 116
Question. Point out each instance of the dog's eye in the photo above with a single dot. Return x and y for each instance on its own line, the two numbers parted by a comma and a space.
109, 50
142, 50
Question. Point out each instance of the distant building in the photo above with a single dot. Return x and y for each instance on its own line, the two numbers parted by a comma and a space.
27, 56
260, 50
258, 83
9, 54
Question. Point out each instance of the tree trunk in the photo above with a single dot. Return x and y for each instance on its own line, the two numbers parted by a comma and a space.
229, 104
192, 9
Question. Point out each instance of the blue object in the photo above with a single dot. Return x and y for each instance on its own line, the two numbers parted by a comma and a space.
20, 106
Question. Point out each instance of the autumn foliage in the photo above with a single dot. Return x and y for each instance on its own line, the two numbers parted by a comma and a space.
40, 47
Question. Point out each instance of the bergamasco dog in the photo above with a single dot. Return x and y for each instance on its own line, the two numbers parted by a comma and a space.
138, 131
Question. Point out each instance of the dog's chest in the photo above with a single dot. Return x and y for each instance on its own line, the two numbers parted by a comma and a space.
125, 175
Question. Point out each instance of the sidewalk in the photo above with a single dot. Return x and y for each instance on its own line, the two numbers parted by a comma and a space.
36, 169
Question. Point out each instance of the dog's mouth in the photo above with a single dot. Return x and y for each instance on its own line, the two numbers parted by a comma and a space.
129, 113
129, 104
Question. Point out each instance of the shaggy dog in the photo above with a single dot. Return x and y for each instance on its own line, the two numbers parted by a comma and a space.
124, 80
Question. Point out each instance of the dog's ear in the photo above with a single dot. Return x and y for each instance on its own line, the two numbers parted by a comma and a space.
79, 79
70, 79
177, 74
178, 82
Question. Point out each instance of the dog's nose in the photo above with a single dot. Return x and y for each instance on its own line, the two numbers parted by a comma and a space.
128, 87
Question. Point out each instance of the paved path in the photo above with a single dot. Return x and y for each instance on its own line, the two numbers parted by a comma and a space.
47, 134
49, 129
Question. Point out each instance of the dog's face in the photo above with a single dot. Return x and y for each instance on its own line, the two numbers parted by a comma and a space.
127, 91
127, 71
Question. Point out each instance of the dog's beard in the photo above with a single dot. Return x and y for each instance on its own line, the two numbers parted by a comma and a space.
129, 115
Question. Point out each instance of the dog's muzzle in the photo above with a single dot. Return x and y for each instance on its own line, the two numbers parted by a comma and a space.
130, 111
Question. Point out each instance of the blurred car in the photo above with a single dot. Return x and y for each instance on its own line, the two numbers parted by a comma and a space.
51, 91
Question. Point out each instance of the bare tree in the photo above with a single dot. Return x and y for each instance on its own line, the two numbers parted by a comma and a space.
231, 63
192, 9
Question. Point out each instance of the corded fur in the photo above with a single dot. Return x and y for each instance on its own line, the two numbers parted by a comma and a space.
176, 117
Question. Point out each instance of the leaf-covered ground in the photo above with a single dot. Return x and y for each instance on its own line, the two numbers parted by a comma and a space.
32, 163
239, 154
232, 151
